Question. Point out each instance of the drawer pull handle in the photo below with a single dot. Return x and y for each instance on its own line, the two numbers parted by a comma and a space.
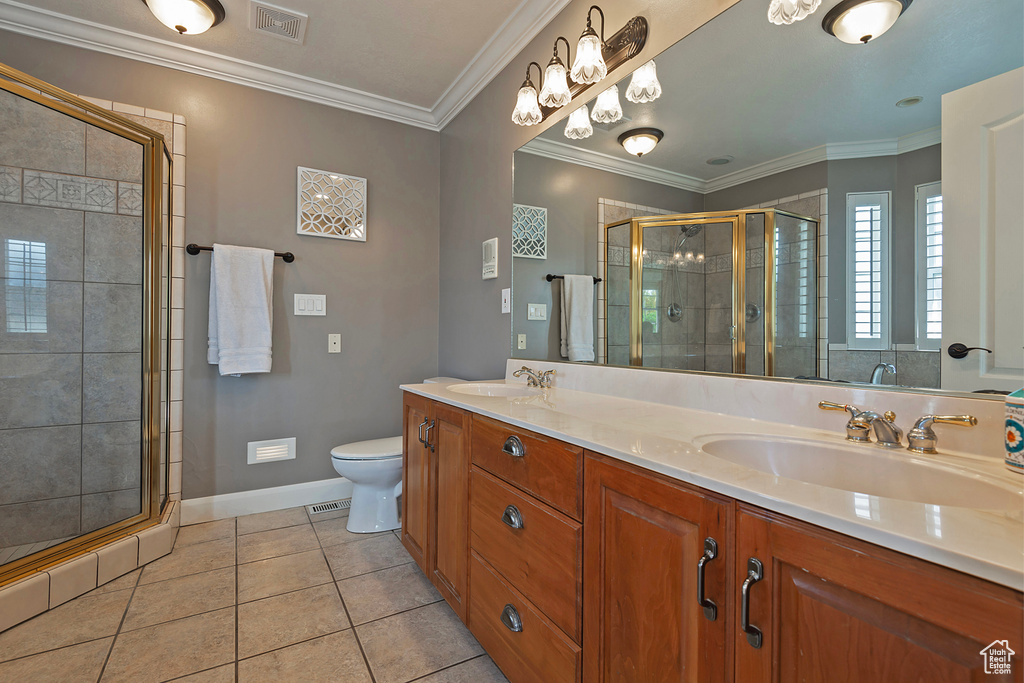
514, 447
513, 517
755, 572
426, 442
710, 553
510, 617
419, 432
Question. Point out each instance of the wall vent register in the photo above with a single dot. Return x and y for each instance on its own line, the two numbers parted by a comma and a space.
278, 22
270, 450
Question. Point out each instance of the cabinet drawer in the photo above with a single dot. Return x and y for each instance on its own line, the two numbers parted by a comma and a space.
538, 652
549, 469
541, 559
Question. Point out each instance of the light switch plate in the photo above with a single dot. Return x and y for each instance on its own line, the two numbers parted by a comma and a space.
536, 311
521, 342
506, 300
334, 343
310, 304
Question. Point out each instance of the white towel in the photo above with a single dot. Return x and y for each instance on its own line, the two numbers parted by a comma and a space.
577, 319
241, 312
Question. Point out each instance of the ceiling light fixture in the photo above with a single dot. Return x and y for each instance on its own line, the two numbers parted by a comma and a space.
555, 92
590, 66
644, 86
607, 108
909, 101
579, 126
861, 21
720, 161
785, 12
640, 141
187, 16
527, 111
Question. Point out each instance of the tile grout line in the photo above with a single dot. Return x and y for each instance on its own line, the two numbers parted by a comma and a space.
355, 632
117, 633
236, 598
451, 666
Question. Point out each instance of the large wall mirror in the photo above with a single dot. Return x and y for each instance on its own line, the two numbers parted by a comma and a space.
813, 209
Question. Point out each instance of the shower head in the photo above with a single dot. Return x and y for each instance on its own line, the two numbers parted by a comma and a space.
686, 232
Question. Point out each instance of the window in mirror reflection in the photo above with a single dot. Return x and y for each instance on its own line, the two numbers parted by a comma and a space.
26, 286
650, 312
868, 264
929, 266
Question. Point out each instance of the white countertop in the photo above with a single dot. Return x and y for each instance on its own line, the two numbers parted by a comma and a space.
663, 438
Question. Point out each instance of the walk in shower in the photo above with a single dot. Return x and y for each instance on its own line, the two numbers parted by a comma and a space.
84, 216
720, 291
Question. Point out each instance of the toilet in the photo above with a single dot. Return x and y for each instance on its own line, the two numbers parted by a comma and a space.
375, 469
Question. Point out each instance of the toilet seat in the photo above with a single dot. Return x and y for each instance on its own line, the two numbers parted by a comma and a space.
374, 449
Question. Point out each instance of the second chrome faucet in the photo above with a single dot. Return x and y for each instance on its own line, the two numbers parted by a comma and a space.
921, 438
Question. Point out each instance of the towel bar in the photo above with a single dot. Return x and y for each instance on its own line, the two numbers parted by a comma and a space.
549, 277
194, 249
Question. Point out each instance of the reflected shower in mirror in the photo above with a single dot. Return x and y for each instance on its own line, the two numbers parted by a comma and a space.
790, 223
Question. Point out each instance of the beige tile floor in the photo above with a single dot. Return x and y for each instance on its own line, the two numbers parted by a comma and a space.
267, 597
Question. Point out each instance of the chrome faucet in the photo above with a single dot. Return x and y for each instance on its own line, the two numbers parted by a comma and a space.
534, 378
862, 422
879, 372
922, 439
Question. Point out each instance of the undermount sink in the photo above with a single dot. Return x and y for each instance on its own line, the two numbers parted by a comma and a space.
494, 389
864, 469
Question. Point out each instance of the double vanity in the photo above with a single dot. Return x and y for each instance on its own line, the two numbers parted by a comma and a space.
584, 535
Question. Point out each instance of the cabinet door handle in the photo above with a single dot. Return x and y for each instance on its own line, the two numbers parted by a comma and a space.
513, 517
710, 553
419, 432
426, 442
755, 572
514, 447
510, 617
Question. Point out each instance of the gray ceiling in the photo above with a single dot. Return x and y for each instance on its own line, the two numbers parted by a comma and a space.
741, 86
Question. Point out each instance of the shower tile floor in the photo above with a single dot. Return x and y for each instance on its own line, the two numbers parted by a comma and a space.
266, 597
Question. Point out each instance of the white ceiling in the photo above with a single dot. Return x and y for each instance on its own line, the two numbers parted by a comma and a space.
741, 86
417, 62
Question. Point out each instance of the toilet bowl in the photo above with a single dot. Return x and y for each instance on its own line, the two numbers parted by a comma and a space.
375, 469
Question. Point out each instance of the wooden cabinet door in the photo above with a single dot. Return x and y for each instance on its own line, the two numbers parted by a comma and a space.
448, 558
416, 518
838, 610
643, 537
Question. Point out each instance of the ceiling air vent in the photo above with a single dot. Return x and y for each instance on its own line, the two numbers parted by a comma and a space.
277, 21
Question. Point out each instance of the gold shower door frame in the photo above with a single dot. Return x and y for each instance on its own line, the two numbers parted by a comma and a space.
155, 152
738, 219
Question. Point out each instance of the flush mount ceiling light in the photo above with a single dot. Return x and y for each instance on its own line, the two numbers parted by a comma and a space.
785, 12
527, 111
861, 21
555, 92
640, 141
187, 16
909, 101
579, 126
644, 86
720, 161
607, 108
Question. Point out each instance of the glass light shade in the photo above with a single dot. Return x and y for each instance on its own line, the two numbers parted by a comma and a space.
607, 109
185, 16
644, 86
866, 21
790, 11
589, 66
527, 111
640, 144
579, 126
555, 92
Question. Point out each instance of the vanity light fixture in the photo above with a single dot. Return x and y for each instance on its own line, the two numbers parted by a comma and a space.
861, 21
187, 16
607, 108
640, 141
527, 111
555, 92
590, 66
785, 12
579, 126
644, 86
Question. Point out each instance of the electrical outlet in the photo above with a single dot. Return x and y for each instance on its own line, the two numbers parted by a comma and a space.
334, 343
536, 311
521, 342
506, 300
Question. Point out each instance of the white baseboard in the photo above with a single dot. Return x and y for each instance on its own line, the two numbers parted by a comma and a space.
227, 505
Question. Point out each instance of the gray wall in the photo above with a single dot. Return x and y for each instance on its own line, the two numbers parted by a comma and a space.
243, 147
570, 192
476, 180
785, 184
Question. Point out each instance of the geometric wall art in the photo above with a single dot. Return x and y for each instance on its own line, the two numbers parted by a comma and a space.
331, 205
529, 231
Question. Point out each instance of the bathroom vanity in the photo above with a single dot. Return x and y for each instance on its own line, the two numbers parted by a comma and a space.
577, 547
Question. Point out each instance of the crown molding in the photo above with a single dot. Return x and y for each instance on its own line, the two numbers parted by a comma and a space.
561, 151
518, 30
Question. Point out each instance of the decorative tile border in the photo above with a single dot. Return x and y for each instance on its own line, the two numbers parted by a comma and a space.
10, 184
